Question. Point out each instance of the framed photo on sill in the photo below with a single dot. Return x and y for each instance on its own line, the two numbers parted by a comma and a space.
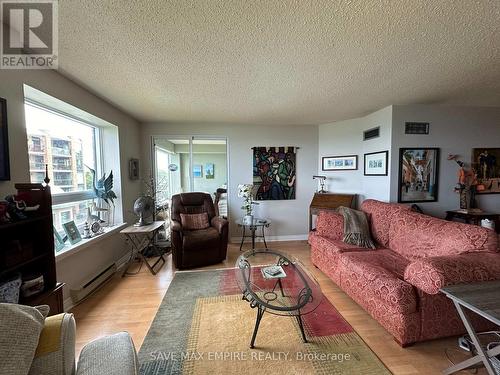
376, 163
339, 163
72, 232
418, 175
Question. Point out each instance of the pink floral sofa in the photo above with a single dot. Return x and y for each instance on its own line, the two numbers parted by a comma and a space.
398, 283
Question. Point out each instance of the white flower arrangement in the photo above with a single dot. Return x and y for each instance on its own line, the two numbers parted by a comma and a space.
245, 192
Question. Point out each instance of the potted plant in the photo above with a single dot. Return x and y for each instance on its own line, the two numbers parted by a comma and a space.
245, 192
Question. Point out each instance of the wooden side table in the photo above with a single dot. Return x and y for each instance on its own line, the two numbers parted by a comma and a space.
474, 217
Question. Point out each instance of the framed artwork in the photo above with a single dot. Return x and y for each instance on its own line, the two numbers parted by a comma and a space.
418, 175
486, 164
58, 241
4, 143
72, 232
376, 163
133, 169
209, 171
340, 163
197, 171
274, 172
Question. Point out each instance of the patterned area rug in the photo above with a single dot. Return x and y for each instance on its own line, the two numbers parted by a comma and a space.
204, 327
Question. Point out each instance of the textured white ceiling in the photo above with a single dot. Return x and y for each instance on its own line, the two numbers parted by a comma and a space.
280, 62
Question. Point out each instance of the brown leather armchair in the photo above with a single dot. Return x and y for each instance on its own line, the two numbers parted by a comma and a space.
202, 247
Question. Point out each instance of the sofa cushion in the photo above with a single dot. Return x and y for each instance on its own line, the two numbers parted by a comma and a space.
19, 334
432, 274
417, 236
330, 225
194, 221
379, 216
378, 275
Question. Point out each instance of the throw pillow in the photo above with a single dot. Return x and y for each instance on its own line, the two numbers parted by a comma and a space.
195, 221
20, 330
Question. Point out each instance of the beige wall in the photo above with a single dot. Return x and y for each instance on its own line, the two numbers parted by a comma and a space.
290, 218
87, 262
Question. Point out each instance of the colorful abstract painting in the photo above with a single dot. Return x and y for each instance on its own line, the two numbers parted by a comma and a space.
274, 173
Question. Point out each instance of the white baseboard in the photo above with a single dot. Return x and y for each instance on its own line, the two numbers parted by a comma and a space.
120, 263
293, 237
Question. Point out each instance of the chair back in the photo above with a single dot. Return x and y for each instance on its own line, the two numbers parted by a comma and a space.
192, 203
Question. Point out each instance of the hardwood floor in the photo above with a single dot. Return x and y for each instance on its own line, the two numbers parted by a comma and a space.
130, 304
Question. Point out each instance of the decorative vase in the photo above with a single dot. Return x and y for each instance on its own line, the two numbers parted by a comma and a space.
248, 219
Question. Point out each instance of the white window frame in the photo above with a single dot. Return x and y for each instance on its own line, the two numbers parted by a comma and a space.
76, 196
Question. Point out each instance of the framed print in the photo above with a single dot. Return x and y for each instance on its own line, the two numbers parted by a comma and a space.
340, 163
418, 175
376, 163
197, 171
72, 232
486, 165
209, 171
133, 169
58, 241
4, 143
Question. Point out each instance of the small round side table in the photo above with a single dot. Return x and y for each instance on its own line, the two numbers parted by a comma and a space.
253, 227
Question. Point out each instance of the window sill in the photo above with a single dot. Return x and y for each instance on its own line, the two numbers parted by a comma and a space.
69, 250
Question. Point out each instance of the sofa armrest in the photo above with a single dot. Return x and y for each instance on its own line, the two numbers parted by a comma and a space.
219, 223
110, 355
432, 274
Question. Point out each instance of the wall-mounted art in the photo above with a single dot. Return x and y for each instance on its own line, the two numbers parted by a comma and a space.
418, 174
274, 173
376, 163
197, 171
486, 165
133, 169
339, 163
209, 171
4, 143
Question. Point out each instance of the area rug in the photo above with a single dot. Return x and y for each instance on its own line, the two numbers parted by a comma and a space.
204, 327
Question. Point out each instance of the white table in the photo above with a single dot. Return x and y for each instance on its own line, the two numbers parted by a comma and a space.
141, 238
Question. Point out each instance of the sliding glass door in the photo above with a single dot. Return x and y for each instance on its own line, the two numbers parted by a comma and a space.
188, 164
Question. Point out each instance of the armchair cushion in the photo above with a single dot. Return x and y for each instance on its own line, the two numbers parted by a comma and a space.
195, 221
110, 355
19, 334
432, 274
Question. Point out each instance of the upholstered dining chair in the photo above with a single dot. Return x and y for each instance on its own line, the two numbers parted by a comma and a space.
199, 236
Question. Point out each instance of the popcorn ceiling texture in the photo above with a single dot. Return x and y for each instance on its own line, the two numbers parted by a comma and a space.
280, 62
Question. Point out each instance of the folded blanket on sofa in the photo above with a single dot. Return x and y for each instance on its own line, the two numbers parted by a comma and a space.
356, 229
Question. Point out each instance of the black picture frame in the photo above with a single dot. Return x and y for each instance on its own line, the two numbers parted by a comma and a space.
386, 161
409, 187
4, 143
327, 159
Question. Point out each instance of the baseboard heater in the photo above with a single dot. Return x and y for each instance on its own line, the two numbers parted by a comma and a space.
77, 295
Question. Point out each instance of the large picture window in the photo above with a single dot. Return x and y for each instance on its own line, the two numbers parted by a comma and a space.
70, 149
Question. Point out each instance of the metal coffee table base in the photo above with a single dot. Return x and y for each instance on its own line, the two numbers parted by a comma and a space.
260, 314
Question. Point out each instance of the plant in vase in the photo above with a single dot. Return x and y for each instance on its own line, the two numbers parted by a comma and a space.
245, 192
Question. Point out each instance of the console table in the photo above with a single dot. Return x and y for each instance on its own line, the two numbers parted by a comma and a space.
481, 298
474, 217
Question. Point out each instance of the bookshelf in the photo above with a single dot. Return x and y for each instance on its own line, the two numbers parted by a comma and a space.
27, 247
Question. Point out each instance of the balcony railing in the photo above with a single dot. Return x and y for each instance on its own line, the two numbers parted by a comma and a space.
61, 151
63, 182
37, 148
61, 167
37, 166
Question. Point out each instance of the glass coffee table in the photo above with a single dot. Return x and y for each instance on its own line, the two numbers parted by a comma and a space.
277, 283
